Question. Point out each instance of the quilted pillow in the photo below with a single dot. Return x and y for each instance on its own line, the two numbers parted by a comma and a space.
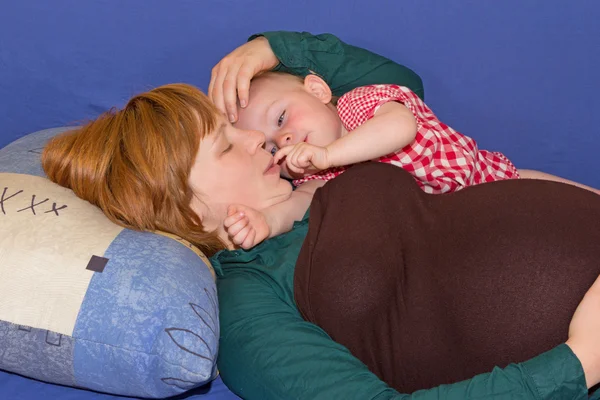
87, 303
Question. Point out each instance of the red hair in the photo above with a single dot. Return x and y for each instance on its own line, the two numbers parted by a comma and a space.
135, 163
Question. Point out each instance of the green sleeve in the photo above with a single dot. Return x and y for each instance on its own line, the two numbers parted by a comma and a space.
267, 351
344, 67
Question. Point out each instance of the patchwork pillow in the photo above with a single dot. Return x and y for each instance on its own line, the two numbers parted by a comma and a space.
87, 303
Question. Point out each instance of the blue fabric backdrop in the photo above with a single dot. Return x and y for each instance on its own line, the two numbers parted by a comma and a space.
521, 76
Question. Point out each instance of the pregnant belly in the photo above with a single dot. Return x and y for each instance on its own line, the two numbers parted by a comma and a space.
427, 290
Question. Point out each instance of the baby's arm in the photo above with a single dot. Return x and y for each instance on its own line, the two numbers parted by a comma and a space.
392, 127
248, 227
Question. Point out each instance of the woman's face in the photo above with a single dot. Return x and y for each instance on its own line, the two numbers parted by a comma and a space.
232, 167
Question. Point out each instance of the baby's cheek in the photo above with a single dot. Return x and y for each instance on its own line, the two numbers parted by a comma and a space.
295, 126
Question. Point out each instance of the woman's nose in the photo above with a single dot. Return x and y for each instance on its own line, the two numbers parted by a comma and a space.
285, 139
256, 140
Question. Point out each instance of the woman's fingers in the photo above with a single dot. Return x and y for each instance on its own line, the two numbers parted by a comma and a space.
237, 226
225, 85
245, 75
211, 85
215, 88
248, 242
232, 209
583, 334
229, 221
243, 236
229, 94
234, 214
230, 78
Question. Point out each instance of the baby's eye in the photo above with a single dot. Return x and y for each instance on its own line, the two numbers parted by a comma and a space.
280, 120
274, 150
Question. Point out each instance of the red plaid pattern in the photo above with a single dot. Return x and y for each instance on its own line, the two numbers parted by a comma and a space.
441, 159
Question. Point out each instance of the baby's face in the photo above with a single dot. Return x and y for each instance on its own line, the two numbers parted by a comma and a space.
287, 111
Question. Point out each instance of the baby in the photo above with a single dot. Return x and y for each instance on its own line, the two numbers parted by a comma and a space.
315, 140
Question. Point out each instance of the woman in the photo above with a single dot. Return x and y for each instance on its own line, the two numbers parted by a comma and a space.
267, 350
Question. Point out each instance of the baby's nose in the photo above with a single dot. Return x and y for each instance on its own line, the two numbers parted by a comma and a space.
285, 140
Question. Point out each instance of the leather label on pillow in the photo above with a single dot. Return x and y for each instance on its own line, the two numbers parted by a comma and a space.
47, 237
97, 264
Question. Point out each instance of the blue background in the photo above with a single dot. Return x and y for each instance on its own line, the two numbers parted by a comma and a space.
520, 76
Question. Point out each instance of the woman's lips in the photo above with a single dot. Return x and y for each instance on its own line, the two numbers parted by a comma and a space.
272, 168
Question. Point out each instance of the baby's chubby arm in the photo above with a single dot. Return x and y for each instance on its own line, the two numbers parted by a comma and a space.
248, 227
392, 127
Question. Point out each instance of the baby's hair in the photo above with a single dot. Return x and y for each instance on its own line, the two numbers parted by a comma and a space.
300, 79
277, 74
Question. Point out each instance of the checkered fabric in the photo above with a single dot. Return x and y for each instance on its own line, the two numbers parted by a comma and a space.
441, 159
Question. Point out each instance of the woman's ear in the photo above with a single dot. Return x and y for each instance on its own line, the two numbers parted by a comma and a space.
316, 86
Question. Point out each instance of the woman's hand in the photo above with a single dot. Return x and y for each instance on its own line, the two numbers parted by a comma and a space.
230, 78
246, 226
584, 334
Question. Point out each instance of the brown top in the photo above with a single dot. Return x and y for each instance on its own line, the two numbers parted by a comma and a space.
431, 289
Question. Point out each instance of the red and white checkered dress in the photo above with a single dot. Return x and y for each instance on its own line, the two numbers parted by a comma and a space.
441, 159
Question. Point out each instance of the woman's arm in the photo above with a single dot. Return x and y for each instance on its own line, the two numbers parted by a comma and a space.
248, 227
342, 66
531, 174
267, 351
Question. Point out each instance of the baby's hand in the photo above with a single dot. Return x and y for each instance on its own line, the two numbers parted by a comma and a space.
303, 156
246, 226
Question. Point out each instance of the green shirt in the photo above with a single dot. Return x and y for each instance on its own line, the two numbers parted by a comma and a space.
342, 66
267, 351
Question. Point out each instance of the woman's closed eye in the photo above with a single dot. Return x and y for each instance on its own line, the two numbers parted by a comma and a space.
281, 119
